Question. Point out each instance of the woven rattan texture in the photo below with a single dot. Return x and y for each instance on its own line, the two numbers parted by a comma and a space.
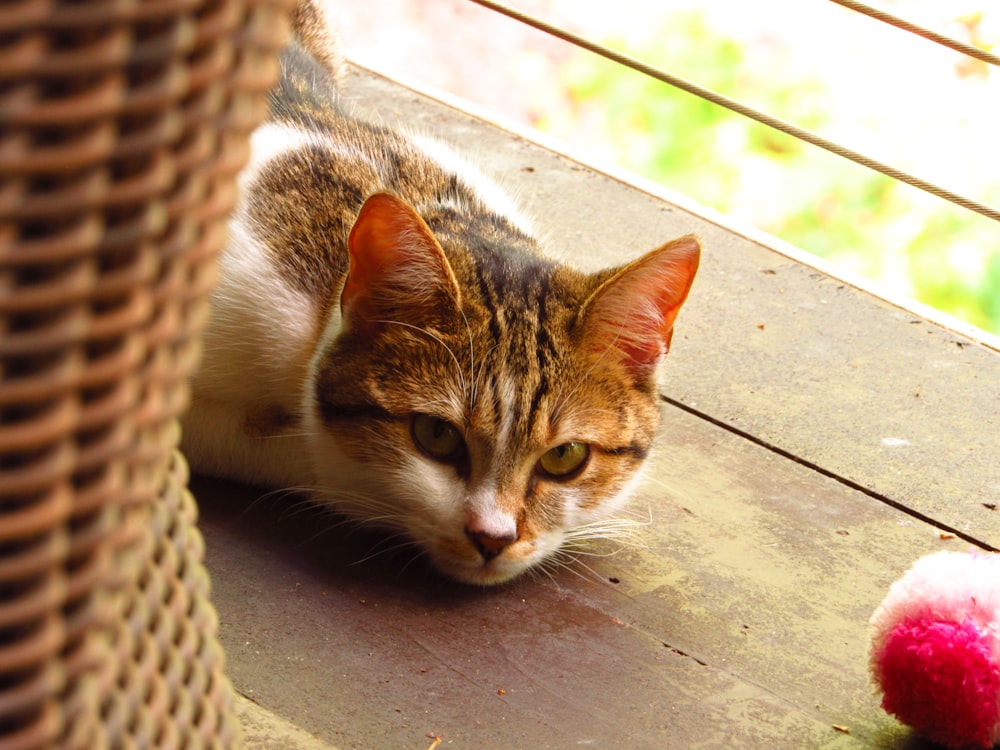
122, 126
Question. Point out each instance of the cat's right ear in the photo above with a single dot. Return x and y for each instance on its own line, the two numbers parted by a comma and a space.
398, 271
632, 311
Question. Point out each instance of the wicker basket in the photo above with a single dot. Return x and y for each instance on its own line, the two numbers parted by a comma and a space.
122, 126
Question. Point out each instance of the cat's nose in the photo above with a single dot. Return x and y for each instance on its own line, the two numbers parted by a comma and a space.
490, 545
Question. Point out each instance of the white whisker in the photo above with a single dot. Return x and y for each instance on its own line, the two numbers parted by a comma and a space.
565, 396
438, 339
569, 562
670, 488
418, 554
470, 395
380, 549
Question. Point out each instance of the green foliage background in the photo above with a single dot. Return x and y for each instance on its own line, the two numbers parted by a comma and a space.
941, 255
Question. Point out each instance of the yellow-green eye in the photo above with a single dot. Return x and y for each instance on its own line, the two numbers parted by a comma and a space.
564, 461
437, 438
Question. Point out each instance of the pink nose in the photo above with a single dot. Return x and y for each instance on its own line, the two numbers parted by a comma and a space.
490, 545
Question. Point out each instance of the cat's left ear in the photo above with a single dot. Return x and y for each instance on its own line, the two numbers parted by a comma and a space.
632, 312
398, 271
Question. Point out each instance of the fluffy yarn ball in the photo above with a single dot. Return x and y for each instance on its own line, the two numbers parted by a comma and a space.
935, 649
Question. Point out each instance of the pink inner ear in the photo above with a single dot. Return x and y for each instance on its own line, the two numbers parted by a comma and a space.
634, 310
396, 265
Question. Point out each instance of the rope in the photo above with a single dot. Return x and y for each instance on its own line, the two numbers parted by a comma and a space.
745, 110
933, 36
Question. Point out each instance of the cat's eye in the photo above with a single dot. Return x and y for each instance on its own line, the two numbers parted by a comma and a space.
437, 438
564, 461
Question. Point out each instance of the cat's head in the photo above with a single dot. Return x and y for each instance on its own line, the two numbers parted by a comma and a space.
483, 401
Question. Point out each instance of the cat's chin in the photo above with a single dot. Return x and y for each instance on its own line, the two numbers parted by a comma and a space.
489, 573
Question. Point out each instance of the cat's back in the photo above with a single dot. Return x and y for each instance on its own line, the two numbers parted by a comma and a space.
315, 164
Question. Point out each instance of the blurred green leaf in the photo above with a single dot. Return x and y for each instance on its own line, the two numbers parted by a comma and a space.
889, 232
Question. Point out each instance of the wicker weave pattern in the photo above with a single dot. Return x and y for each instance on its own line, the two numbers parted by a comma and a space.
122, 126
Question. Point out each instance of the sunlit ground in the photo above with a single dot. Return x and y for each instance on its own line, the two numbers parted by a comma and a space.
897, 98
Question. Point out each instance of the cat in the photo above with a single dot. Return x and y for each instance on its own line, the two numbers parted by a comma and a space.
387, 334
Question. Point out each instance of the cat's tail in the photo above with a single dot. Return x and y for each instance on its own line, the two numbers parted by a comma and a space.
316, 33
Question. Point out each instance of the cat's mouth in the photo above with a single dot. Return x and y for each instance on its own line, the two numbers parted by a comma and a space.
462, 561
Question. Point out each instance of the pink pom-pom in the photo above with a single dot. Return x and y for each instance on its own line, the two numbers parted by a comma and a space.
935, 649
941, 679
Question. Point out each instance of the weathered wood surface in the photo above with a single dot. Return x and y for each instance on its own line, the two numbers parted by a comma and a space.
736, 616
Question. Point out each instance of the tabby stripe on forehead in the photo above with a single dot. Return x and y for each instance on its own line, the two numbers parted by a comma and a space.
336, 412
542, 338
495, 397
491, 302
540, 391
543, 345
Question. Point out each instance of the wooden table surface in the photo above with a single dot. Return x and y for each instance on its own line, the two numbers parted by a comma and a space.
816, 440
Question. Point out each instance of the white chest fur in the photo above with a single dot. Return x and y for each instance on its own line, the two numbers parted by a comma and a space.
257, 348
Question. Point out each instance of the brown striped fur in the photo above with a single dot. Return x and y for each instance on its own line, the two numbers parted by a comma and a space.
373, 281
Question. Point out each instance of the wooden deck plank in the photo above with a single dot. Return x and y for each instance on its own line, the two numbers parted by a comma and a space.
737, 615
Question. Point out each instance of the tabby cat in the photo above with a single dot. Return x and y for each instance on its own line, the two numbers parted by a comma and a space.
387, 335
